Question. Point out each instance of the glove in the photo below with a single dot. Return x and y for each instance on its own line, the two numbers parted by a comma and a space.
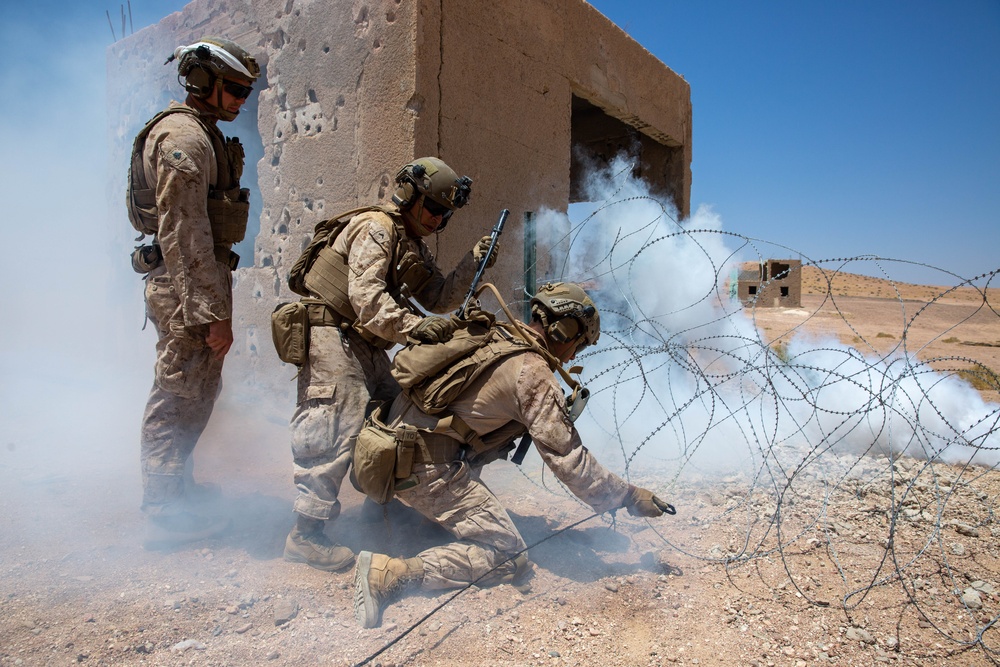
480, 251
642, 502
433, 330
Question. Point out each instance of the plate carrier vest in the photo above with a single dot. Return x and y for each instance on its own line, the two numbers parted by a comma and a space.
228, 204
321, 274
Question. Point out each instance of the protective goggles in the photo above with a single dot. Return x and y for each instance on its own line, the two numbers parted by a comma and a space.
237, 90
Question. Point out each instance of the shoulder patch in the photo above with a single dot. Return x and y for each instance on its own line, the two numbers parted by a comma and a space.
177, 158
380, 235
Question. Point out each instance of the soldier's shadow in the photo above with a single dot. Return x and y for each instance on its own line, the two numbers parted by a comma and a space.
260, 524
578, 553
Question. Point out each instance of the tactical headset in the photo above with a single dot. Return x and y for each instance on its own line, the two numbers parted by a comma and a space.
566, 313
202, 64
406, 190
198, 70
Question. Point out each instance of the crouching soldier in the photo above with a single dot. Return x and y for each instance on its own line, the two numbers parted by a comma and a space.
358, 277
508, 390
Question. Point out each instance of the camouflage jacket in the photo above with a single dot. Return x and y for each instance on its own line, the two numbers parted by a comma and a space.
178, 157
520, 394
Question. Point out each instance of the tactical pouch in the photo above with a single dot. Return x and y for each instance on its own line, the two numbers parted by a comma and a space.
383, 458
290, 332
406, 441
411, 273
228, 217
375, 462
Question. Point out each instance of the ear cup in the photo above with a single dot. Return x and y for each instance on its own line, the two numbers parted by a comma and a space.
404, 194
564, 330
199, 81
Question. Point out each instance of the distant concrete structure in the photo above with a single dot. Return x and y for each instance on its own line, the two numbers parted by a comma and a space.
774, 283
518, 94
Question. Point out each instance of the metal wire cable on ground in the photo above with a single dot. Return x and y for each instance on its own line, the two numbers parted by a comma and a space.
860, 436
454, 595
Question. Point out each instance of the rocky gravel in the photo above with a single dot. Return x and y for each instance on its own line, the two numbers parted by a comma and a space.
811, 558
844, 577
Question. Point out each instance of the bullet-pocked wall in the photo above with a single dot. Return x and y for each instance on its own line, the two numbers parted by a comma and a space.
353, 90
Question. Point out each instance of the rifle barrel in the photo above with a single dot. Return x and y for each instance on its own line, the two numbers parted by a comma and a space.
494, 237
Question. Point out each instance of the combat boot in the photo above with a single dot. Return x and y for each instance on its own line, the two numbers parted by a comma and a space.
309, 544
164, 531
376, 577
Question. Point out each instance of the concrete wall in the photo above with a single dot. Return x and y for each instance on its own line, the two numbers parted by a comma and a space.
353, 90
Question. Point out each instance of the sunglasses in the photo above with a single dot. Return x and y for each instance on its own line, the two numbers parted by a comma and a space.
237, 90
435, 208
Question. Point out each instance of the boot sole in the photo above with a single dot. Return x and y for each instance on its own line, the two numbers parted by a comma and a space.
366, 607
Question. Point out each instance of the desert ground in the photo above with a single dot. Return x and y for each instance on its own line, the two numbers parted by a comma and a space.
895, 562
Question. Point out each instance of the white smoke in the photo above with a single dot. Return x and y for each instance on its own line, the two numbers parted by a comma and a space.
682, 374
76, 360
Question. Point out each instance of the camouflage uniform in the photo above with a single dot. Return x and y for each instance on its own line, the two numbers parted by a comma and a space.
189, 290
344, 371
518, 393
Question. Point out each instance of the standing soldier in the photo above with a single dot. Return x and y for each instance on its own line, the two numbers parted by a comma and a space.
358, 276
184, 191
505, 388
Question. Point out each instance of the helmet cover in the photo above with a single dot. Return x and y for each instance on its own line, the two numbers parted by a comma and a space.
556, 303
219, 56
205, 64
434, 179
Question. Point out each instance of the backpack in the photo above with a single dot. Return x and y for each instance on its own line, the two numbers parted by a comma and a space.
432, 375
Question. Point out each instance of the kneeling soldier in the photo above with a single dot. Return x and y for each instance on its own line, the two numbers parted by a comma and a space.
513, 393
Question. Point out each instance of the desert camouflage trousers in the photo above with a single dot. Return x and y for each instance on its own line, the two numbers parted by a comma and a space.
342, 375
450, 495
187, 379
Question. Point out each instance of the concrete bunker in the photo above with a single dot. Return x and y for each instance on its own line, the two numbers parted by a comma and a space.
518, 95
771, 283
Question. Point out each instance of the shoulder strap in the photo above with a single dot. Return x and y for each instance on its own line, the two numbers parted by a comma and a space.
140, 139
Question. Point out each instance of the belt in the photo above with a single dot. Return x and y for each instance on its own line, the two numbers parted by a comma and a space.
436, 448
322, 315
222, 254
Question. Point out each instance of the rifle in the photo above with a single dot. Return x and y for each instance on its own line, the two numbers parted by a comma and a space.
494, 237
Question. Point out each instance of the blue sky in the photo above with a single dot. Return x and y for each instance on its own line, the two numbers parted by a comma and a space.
843, 127
837, 128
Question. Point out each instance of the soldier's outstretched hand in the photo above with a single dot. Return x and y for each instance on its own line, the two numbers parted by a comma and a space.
642, 502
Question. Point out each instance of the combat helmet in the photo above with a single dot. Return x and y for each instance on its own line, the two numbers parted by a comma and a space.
567, 314
207, 65
444, 191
